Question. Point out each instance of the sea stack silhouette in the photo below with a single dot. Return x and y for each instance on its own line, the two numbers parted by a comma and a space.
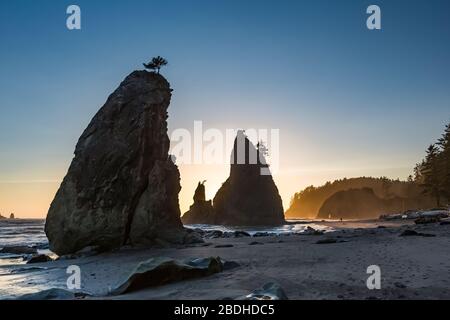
202, 211
122, 187
249, 197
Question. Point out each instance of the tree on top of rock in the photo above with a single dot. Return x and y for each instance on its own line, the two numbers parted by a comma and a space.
156, 64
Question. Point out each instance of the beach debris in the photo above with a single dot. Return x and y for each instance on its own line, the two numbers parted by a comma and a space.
254, 243
264, 234
309, 231
224, 246
161, 270
39, 258
241, 234
54, 294
409, 233
213, 234
399, 285
18, 250
327, 241
83, 253
269, 291
413, 215
427, 220
228, 265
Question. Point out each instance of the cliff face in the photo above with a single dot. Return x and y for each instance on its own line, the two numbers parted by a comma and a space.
201, 212
361, 204
121, 187
248, 197
307, 203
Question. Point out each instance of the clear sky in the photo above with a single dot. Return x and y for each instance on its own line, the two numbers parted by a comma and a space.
348, 101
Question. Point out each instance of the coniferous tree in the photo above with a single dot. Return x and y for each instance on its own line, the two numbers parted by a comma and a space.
156, 64
444, 159
430, 170
418, 176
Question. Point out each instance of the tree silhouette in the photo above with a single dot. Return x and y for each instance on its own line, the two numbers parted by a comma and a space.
444, 159
156, 64
431, 174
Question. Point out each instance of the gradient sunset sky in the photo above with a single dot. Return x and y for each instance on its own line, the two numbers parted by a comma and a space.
348, 101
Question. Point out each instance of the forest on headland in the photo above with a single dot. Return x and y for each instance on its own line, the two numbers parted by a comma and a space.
428, 186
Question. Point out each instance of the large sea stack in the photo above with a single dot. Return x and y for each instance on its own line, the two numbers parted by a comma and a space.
121, 187
249, 197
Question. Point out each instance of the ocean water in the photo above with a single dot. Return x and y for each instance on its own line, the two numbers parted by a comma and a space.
294, 226
21, 232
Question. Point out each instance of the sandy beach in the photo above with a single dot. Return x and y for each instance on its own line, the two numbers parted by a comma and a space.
412, 267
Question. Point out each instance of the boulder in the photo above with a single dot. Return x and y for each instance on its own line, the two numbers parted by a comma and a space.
39, 258
241, 234
312, 232
202, 211
269, 291
327, 241
161, 270
121, 187
249, 197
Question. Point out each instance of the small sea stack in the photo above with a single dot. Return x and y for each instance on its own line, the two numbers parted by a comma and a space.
201, 211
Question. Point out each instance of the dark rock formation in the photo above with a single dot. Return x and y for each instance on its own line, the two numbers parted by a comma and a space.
358, 204
269, 291
160, 270
413, 233
39, 258
249, 196
121, 187
11, 216
201, 211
